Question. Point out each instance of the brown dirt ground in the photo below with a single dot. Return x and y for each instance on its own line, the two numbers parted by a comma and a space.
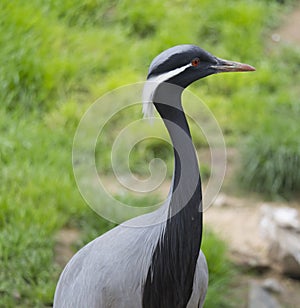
289, 31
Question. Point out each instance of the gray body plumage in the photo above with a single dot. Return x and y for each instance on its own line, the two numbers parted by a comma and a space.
109, 272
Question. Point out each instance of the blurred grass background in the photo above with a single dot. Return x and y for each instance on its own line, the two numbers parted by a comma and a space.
57, 57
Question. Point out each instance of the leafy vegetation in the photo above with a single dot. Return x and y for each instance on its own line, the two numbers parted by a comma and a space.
57, 57
220, 272
271, 158
270, 154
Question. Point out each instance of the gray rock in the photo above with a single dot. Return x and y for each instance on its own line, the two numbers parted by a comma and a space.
272, 285
280, 228
260, 298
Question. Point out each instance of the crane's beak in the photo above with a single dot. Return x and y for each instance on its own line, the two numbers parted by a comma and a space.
223, 66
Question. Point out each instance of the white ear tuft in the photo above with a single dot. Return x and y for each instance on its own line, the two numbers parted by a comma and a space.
148, 109
148, 92
151, 85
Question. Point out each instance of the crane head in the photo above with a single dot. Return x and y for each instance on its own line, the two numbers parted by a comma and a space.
182, 65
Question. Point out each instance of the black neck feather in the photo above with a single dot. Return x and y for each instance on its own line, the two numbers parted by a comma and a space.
170, 277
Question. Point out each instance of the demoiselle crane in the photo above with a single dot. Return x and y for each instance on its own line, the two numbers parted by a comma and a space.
159, 265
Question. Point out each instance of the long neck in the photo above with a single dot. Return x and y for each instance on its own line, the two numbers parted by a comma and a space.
170, 278
186, 175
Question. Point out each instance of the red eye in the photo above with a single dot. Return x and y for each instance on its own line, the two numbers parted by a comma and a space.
195, 62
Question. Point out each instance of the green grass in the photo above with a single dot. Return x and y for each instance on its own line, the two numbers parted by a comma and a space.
57, 57
37, 187
271, 159
221, 272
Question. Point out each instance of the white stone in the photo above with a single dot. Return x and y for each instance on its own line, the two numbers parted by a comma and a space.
280, 228
272, 285
259, 298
